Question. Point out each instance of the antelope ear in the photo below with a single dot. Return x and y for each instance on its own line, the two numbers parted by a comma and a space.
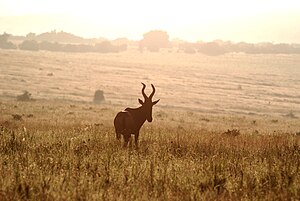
141, 102
153, 103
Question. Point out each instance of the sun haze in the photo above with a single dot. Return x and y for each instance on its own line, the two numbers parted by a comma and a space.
192, 20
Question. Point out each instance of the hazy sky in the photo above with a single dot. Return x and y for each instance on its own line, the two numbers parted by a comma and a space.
192, 20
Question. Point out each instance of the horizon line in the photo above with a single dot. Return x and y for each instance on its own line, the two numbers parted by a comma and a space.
136, 40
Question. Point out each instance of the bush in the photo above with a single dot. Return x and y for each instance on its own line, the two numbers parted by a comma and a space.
5, 44
77, 48
29, 45
26, 96
98, 97
105, 47
211, 49
50, 46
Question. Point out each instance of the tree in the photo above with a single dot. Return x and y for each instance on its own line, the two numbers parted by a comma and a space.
212, 49
45, 45
108, 47
30, 36
4, 43
29, 45
154, 40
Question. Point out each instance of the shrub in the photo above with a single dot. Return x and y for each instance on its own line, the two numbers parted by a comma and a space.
26, 96
98, 97
105, 47
29, 45
4, 43
50, 46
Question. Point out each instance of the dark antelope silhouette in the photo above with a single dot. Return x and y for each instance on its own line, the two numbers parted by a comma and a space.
130, 120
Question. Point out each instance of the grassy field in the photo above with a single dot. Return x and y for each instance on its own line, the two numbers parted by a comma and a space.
221, 142
231, 83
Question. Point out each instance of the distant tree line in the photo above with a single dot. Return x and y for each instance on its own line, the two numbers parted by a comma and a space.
54, 36
152, 41
103, 47
33, 45
220, 47
155, 40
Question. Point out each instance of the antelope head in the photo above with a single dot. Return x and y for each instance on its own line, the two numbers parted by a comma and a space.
147, 104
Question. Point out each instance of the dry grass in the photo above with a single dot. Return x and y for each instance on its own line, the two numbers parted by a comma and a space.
226, 128
68, 152
227, 84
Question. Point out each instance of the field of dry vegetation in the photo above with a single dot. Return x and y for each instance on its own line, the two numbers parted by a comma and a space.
226, 128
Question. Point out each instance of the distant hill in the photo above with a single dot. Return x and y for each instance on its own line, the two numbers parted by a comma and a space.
58, 37
62, 42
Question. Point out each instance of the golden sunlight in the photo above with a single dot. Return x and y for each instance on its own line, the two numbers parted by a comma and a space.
191, 20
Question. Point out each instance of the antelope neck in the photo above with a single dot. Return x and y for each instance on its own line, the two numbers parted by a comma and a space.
138, 115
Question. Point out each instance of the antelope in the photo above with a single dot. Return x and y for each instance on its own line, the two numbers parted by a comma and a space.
131, 120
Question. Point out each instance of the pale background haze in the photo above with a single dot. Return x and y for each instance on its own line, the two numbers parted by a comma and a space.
191, 20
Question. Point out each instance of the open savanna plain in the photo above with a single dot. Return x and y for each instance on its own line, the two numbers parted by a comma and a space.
226, 127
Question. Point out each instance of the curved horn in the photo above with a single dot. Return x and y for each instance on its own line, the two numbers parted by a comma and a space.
143, 91
153, 91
